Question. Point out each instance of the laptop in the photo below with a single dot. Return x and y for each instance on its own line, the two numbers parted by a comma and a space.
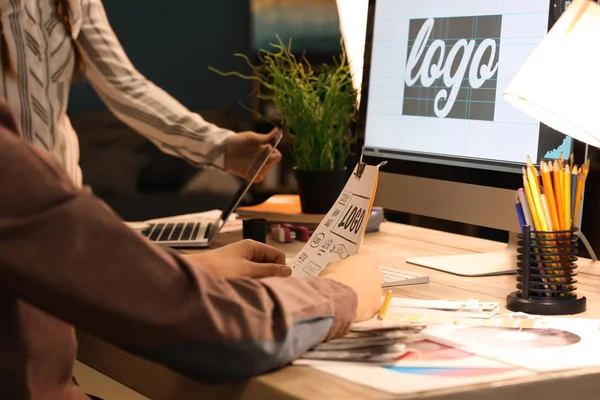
200, 232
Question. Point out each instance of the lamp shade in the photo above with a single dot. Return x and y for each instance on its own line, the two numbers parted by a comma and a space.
559, 84
353, 24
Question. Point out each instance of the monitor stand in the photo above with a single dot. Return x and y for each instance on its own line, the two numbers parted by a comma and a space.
480, 264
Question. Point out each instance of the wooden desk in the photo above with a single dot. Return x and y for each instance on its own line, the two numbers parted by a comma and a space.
391, 246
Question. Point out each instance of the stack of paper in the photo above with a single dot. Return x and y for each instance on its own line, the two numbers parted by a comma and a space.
370, 344
463, 309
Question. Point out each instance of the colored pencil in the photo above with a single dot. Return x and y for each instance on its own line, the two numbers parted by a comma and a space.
550, 196
567, 196
558, 189
561, 161
551, 200
520, 213
571, 160
385, 305
535, 193
573, 194
546, 212
534, 214
525, 207
585, 169
533, 170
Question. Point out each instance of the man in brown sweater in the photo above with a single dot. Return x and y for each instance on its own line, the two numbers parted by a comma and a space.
66, 260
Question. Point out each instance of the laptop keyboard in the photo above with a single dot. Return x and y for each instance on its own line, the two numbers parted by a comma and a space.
177, 232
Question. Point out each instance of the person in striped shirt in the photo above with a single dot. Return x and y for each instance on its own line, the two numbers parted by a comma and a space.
45, 44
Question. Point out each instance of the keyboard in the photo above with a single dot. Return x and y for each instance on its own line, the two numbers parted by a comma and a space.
175, 232
398, 277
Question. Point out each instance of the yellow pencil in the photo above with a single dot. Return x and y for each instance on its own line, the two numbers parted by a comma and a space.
567, 197
534, 213
385, 305
549, 192
533, 170
535, 194
546, 211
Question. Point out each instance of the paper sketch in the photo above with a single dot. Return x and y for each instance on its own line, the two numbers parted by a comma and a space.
341, 232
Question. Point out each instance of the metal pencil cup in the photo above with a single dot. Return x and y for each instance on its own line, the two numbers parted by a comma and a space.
547, 274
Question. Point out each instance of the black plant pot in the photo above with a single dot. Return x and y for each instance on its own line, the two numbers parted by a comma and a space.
319, 189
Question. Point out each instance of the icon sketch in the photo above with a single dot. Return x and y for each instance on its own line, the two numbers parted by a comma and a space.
316, 241
311, 269
340, 250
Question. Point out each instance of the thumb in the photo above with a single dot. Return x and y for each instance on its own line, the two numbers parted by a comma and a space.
269, 137
263, 270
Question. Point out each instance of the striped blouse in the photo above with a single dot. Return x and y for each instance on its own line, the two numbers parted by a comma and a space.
43, 57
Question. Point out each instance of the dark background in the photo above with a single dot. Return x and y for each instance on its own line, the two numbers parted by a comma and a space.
173, 42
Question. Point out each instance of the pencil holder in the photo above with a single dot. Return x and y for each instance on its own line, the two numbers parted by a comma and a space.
547, 274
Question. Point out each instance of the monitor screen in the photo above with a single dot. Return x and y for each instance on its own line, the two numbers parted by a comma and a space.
437, 73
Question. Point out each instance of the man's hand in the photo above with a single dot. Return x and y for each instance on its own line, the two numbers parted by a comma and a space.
246, 258
360, 273
244, 149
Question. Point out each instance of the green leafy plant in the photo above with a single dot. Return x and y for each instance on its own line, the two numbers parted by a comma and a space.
317, 107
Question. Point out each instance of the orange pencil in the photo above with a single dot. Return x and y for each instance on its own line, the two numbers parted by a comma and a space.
561, 161
558, 189
549, 192
567, 197
585, 169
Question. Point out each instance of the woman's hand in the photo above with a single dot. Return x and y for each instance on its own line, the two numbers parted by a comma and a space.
246, 258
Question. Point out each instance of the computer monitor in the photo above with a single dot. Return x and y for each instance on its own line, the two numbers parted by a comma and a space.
432, 106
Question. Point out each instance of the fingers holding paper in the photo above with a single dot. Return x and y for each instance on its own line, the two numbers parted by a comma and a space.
360, 273
246, 258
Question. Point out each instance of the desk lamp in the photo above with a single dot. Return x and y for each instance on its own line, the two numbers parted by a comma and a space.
353, 24
559, 84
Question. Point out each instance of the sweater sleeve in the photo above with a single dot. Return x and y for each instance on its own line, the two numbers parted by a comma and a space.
65, 252
138, 102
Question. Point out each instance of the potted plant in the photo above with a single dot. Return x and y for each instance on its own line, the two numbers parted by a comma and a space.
317, 109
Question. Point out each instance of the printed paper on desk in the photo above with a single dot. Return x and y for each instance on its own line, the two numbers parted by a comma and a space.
341, 232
